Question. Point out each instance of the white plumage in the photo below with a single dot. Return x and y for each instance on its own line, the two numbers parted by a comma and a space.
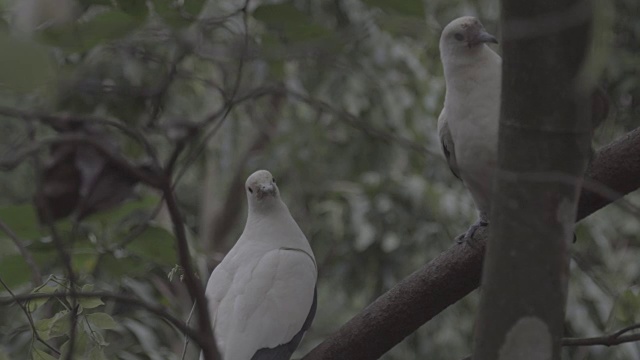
468, 123
262, 295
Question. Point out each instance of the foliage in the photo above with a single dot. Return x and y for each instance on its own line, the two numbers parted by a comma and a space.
338, 99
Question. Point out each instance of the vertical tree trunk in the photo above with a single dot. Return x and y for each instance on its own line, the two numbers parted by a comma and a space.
543, 149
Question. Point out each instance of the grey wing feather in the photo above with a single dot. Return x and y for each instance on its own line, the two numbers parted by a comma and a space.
447, 144
284, 351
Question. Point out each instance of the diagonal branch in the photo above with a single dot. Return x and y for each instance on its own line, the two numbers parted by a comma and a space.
26, 312
36, 274
456, 272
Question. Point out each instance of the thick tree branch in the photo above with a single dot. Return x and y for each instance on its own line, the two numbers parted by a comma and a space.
456, 272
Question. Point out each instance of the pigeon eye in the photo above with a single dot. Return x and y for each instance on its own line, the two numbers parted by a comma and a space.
458, 36
274, 180
250, 190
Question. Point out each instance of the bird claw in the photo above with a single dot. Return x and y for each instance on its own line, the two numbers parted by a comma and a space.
467, 237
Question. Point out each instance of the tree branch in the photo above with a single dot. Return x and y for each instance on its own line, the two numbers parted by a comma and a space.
456, 272
36, 274
193, 284
615, 338
72, 121
117, 160
34, 332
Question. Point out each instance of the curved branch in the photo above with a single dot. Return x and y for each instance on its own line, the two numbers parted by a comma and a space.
456, 272
615, 338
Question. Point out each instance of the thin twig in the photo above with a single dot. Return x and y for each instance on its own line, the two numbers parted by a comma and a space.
186, 338
117, 160
362, 125
158, 98
58, 121
157, 310
217, 119
28, 315
47, 218
36, 275
615, 338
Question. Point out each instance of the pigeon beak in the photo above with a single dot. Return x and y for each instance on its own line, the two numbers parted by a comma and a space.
482, 37
266, 189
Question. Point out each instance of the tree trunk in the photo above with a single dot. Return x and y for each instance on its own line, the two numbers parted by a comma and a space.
543, 150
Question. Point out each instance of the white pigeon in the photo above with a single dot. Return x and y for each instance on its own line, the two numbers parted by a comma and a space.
468, 123
262, 296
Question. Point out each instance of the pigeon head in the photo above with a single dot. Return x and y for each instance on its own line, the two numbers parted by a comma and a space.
261, 185
464, 34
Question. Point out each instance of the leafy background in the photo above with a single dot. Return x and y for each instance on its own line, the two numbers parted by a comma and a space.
337, 98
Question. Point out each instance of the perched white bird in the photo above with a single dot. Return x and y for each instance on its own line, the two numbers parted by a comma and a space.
468, 123
262, 296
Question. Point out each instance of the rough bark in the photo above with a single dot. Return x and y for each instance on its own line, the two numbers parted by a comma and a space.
456, 272
543, 144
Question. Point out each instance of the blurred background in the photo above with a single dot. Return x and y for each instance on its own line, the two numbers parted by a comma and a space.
337, 98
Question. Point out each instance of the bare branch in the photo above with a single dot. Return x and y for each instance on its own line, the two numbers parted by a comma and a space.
193, 284
70, 121
362, 125
158, 98
120, 162
186, 338
456, 272
615, 338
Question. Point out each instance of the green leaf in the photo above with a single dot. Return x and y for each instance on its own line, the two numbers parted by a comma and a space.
38, 354
102, 320
102, 28
14, 270
289, 21
277, 14
3, 355
96, 2
404, 7
156, 244
136, 8
83, 261
398, 25
60, 324
4, 27
34, 304
146, 203
627, 306
24, 66
82, 343
98, 338
106, 27
178, 16
22, 219
123, 267
42, 327
97, 353
193, 7
89, 303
